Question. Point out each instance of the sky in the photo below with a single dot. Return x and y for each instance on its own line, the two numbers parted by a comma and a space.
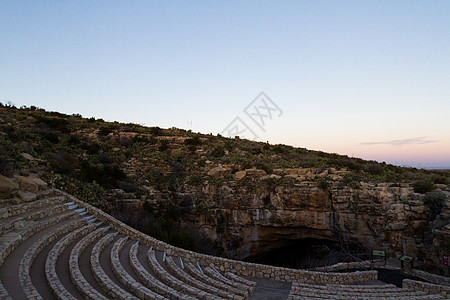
367, 79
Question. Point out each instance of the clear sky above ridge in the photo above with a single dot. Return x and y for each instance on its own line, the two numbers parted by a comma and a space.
368, 79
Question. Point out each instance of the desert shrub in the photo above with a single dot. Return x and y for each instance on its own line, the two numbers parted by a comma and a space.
220, 227
218, 151
54, 123
279, 149
128, 187
440, 179
323, 184
87, 191
91, 148
195, 180
194, 141
106, 175
170, 232
155, 131
256, 151
163, 145
423, 186
192, 148
51, 137
63, 163
105, 130
152, 140
375, 169
266, 167
163, 182
178, 169
74, 140
435, 203
229, 146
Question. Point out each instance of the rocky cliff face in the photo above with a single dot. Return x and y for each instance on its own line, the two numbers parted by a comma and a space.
249, 213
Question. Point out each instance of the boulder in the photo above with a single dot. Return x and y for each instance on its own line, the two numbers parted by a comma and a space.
255, 172
8, 188
31, 183
218, 171
397, 226
239, 175
27, 156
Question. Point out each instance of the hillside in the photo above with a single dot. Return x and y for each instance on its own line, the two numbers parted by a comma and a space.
225, 196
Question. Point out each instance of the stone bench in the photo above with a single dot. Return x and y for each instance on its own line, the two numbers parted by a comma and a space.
428, 288
172, 281
122, 275
189, 280
29, 256
107, 284
11, 240
195, 272
333, 291
76, 276
4, 295
387, 288
14, 210
240, 279
151, 281
17, 221
219, 277
53, 281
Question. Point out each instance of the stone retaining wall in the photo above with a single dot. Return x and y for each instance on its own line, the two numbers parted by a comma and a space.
228, 265
431, 277
428, 288
366, 264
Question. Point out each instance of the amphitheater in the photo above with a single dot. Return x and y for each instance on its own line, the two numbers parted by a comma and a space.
54, 246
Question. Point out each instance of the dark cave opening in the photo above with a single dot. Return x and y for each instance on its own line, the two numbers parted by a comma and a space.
310, 253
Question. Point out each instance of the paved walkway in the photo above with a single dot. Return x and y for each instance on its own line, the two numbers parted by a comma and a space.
270, 289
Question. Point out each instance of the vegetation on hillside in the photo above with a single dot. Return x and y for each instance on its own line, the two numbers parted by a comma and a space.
91, 158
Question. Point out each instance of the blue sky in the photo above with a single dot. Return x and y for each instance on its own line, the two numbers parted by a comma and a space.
364, 78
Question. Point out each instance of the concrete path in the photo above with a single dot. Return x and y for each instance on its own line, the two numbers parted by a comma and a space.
270, 289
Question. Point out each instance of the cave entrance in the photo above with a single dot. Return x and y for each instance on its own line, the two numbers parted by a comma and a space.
310, 253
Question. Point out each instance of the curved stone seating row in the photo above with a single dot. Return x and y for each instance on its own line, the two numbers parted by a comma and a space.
33, 251
13, 239
363, 288
305, 291
172, 281
4, 293
188, 279
14, 210
240, 280
227, 265
83, 286
200, 275
107, 284
55, 284
429, 288
18, 221
150, 281
134, 286
181, 274
219, 277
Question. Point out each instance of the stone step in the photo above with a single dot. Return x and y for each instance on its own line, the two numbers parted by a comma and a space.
108, 285
151, 281
195, 271
172, 281
53, 280
190, 280
213, 273
82, 283
27, 260
21, 220
125, 278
